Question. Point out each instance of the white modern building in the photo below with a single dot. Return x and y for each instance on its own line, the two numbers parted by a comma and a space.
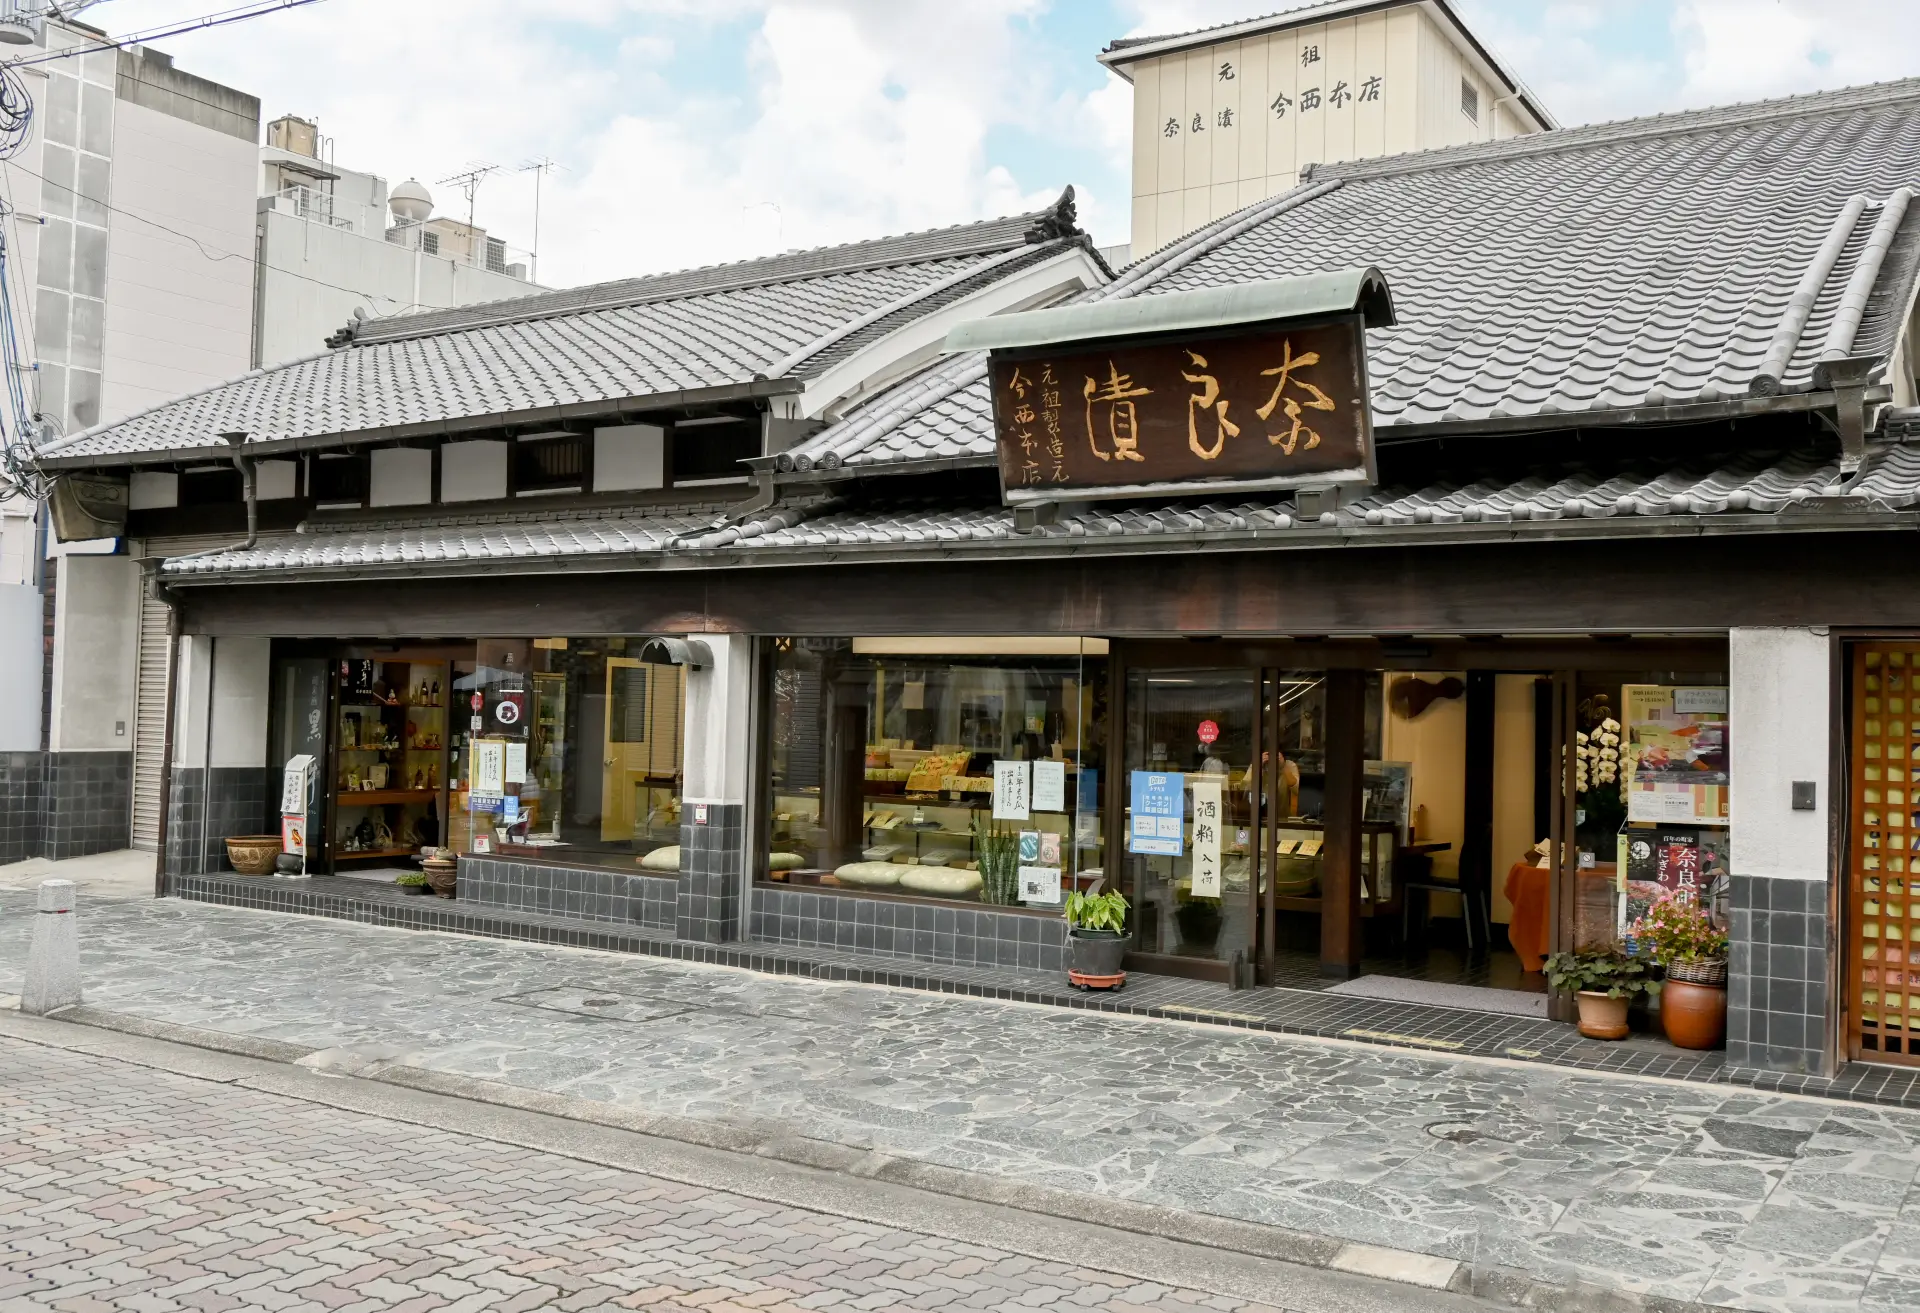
1229, 115
336, 245
129, 250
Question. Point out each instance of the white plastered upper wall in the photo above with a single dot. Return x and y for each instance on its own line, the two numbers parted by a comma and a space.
1222, 124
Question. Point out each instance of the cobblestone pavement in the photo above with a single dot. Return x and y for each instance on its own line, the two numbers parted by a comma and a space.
124, 1188
1687, 1192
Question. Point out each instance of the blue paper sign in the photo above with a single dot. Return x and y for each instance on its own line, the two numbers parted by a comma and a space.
1159, 808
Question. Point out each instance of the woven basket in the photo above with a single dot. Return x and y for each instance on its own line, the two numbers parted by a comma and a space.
1710, 971
253, 854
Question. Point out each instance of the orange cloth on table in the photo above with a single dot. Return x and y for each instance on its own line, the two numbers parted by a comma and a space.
1527, 931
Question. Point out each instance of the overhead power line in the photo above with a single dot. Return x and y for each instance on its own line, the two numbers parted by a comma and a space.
219, 19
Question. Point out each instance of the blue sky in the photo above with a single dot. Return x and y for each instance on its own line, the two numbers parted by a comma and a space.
694, 131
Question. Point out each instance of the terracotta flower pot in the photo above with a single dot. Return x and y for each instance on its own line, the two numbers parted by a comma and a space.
1694, 1016
1602, 1017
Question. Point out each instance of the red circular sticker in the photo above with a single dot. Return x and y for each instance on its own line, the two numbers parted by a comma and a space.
1208, 731
478, 702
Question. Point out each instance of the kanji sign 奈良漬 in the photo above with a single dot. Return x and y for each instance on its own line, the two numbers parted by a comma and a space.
1267, 407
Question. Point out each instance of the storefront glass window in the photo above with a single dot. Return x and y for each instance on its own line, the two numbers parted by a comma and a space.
568, 748
885, 755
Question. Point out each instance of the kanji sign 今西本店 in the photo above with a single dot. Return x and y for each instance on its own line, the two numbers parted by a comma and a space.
1268, 408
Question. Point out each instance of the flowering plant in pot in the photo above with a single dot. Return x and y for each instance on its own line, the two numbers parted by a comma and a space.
1096, 934
1677, 933
1603, 984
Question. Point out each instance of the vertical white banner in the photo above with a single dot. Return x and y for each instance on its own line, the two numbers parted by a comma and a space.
1011, 789
1206, 838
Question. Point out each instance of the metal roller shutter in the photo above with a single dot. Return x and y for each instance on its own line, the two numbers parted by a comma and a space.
150, 722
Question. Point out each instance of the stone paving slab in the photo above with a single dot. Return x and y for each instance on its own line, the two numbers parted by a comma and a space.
1688, 1192
1287, 1011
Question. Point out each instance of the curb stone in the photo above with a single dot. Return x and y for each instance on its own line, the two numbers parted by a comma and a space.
777, 1142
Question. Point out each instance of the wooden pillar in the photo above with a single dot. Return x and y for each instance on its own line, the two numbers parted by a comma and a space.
843, 794
1476, 844
1340, 873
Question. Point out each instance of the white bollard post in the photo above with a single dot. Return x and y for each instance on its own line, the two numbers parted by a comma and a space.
53, 962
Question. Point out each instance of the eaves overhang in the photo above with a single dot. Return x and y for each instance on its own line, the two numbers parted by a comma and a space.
456, 426
1836, 518
1389, 434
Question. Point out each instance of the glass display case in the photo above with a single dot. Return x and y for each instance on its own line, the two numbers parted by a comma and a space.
389, 760
883, 765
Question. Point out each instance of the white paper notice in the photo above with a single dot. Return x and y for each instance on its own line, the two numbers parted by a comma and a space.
1049, 786
489, 766
1039, 884
1011, 789
1206, 839
516, 762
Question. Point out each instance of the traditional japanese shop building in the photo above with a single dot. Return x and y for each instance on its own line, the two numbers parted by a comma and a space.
1629, 435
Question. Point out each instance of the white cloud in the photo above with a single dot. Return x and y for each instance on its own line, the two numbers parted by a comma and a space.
851, 118
1742, 50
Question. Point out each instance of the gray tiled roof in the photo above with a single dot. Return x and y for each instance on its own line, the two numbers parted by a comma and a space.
788, 316
1653, 262
1747, 491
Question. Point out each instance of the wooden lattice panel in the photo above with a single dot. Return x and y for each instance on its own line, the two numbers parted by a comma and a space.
1883, 856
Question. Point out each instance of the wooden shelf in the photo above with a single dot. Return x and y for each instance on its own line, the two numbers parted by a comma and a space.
371, 797
345, 856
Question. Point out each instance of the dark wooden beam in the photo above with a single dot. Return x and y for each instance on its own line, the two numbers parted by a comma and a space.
1346, 751
1476, 843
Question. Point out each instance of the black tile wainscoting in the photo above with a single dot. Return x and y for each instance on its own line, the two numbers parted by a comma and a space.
712, 865
23, 805
89, 803
618, 897
242, 800
961, 935
1777, 990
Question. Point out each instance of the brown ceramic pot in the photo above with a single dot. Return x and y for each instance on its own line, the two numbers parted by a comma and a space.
440, 876
1602, 1017
1694, 1016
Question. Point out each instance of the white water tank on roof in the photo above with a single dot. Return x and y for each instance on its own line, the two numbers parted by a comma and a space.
20, 22
411, 202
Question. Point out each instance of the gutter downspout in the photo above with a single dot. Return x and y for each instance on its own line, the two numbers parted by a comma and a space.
236, 443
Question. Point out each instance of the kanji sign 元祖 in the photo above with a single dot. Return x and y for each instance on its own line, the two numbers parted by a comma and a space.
1272, 407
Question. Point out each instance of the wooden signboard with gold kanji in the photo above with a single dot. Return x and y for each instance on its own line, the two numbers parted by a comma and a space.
1262, 408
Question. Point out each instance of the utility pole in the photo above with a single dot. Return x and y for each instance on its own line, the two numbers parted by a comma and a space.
539, 168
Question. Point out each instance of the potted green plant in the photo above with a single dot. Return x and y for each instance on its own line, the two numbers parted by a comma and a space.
1097, 937
1676, 932
1603, 984
413, 882
998, 851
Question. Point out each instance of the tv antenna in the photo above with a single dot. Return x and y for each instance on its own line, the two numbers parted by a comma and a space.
469, 183
539, 168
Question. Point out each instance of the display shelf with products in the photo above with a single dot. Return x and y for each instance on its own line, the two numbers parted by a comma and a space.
388, 764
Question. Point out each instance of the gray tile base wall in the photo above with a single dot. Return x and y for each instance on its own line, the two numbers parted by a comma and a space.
618, 897
1777, 977
205, 808
965, 934
712, 864
89, 803
23, 805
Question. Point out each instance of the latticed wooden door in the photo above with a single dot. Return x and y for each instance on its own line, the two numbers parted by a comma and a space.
1883, 856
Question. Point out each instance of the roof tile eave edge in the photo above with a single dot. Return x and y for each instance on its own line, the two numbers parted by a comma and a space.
1614, 131
956, 249
1064, 545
